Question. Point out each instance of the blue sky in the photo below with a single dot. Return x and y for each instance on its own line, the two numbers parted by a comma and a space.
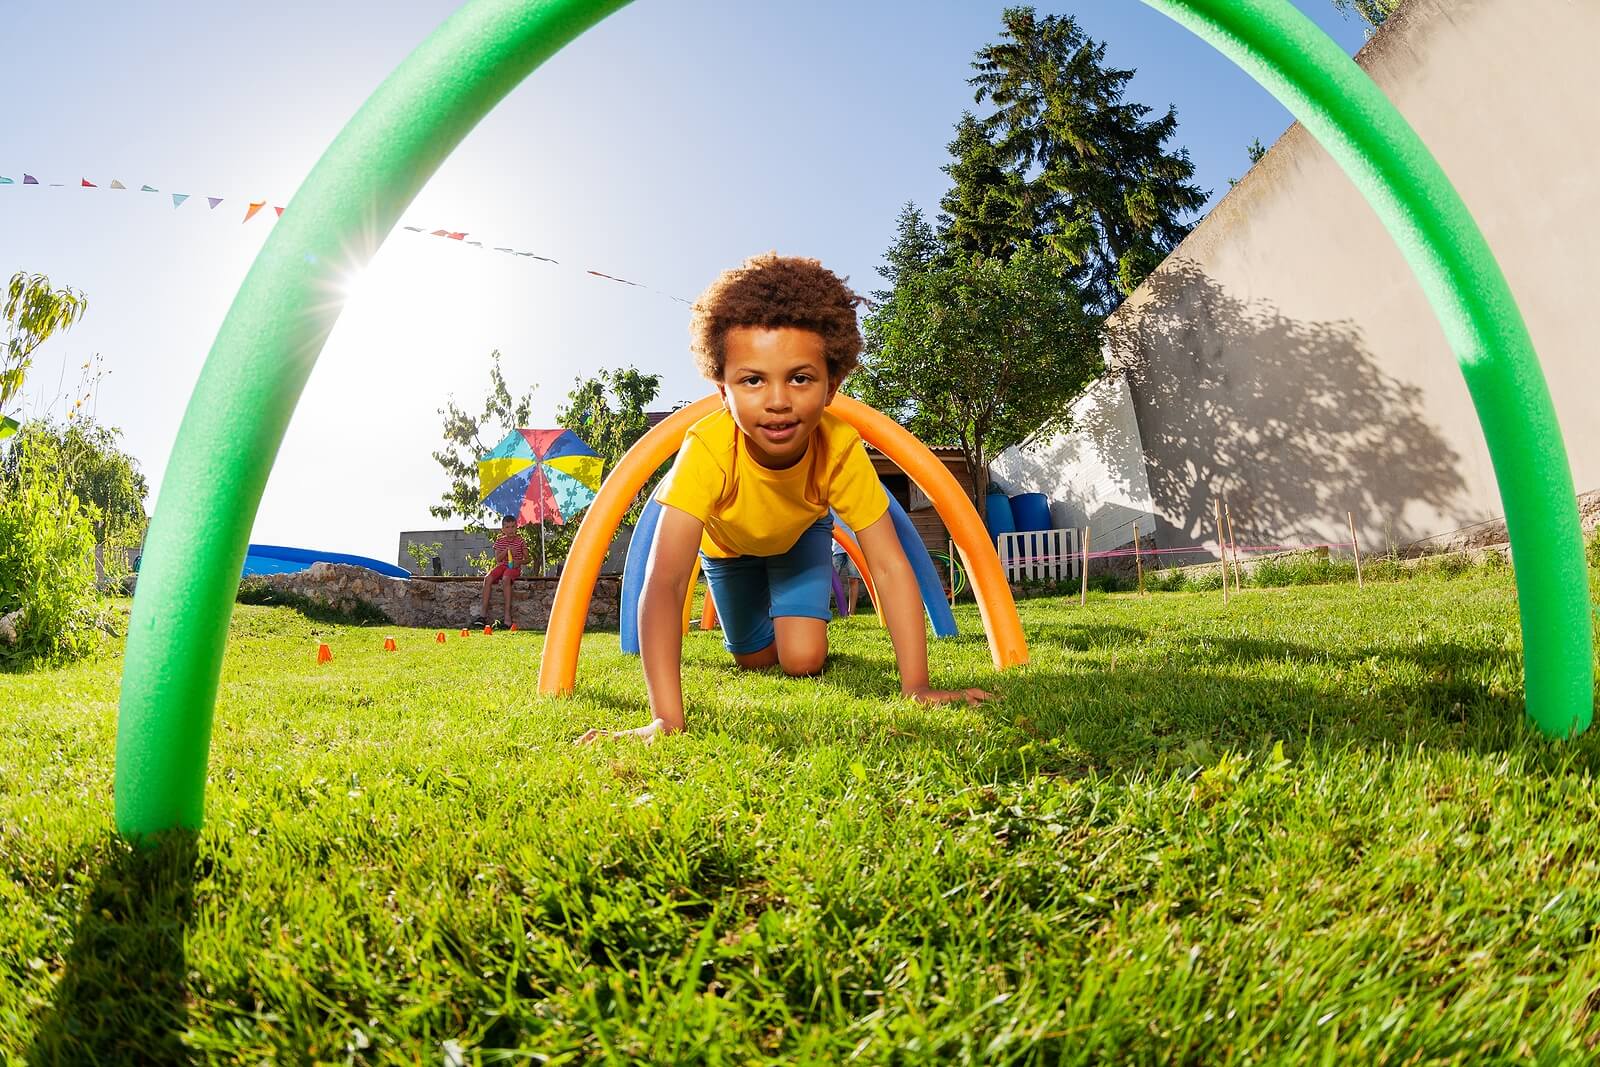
671, 141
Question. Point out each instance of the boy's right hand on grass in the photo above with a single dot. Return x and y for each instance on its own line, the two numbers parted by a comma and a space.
647, 734
972, 697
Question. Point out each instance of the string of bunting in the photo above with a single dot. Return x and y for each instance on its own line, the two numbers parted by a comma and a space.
254, 207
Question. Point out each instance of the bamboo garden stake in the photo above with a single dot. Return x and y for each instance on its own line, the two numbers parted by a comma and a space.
1355, 543
1222, 547
1233, 544
1138, 561
1083, 590
950, 554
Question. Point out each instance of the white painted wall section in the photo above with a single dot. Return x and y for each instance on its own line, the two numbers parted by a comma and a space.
1094, 474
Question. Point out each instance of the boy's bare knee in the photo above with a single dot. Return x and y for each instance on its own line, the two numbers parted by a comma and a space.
755, 660
798, 663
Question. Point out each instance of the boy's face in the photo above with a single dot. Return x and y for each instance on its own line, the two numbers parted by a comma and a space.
775, 384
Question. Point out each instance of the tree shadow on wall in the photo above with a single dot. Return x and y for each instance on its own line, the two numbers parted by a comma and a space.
122, 996
1293, 421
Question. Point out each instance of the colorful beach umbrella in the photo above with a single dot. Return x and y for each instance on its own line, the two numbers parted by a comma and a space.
539, 476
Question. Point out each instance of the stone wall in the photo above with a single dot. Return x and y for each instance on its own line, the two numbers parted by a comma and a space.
440, 602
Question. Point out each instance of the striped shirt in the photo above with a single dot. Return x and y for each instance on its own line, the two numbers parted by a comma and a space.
511, 545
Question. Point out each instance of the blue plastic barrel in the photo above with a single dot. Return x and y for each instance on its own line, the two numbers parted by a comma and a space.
1031, 511
997, 514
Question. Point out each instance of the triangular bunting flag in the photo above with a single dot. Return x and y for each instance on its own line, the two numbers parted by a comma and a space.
502, 250
213, 201
117, 185
8, 425
475, 244
6, 181
457, 236
440, 233
87, 184
28, 179
179, 198
413, 229
279, 210
148, 189
254, 207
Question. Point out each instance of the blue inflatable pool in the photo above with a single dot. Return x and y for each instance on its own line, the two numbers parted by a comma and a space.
278, 559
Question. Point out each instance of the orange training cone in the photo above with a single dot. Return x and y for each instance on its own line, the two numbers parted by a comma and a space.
463, 633
324, 654
440, 638
488, 629
389, 645
513, 627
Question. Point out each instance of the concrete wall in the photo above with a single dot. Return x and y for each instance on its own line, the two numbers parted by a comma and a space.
1284, 354
1094, 475
454, 548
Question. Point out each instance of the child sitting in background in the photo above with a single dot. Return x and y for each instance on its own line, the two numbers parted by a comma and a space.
510, 554
752, 485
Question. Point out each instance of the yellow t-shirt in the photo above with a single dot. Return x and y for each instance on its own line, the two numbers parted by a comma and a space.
751, 510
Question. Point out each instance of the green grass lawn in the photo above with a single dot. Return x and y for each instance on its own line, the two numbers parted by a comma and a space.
1308, 827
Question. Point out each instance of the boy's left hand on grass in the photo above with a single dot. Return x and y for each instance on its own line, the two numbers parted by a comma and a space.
925, 695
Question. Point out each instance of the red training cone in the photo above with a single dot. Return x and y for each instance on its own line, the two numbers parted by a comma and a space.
488, 629
324, 654
513, 626
440, 638
389, 645
463, 633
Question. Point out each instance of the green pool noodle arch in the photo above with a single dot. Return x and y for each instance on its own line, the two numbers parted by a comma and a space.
354, 196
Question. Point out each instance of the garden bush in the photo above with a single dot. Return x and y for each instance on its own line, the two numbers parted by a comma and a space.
47, 579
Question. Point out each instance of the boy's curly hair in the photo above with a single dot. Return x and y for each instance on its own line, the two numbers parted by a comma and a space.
773, 291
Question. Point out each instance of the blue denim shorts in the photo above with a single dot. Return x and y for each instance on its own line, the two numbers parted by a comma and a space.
751, 591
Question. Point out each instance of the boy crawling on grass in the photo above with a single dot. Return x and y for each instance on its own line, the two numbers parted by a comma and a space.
752, 485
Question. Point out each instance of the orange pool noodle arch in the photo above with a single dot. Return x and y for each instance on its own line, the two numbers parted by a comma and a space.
558, 669
708, 612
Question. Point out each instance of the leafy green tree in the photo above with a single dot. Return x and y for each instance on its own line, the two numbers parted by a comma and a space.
1373, 11
1066, 162
32, 312
468, 436
95, 469
608, 413
983, 353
